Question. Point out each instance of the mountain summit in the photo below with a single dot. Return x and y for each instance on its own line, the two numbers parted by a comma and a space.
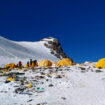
55, 47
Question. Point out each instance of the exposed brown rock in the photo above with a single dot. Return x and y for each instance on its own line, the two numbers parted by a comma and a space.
55, 47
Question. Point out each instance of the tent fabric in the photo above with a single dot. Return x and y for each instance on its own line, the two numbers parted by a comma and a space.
101, 63
26, 66
45, 62
64, 62
10, 79
10, 66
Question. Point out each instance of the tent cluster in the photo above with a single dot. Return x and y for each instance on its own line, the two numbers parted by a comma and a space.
44, 62
62, 62
9, 66
12, 65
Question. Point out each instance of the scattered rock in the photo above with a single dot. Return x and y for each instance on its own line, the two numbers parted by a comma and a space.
98, 71
14, 73
58, 76
83, 71
42, 103
38, 104
42, 73
19, 90
41, 77
51, 85
7, 81
29, 100
63, 98
49, 76
82, 68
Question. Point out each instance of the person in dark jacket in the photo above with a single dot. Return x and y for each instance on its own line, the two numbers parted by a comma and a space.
35, 62
30, 62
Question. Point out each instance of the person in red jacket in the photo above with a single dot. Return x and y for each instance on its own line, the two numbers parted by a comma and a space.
20, 64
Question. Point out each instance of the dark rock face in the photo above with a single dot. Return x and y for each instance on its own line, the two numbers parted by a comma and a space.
55, 47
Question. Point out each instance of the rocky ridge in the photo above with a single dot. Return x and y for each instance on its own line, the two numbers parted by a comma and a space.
55, 47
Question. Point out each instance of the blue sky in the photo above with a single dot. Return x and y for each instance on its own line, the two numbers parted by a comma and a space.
78, 24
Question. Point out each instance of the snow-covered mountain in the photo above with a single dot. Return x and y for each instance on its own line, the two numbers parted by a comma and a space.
47, 48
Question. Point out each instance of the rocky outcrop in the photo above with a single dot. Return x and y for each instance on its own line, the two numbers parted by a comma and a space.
55, 47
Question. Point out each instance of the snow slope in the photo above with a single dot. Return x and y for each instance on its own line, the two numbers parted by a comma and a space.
76, 87
24, 50
40, 51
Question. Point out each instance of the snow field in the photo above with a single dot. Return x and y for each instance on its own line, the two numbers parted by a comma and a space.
74, 88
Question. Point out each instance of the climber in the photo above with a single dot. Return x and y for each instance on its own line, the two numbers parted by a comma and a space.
20, 64
35, 63
16, 66
30, 63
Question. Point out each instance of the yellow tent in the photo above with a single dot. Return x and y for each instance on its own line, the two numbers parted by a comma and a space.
26, 66
10, 79
64, 62
45, 62
29, 85
10, 66
101, 63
